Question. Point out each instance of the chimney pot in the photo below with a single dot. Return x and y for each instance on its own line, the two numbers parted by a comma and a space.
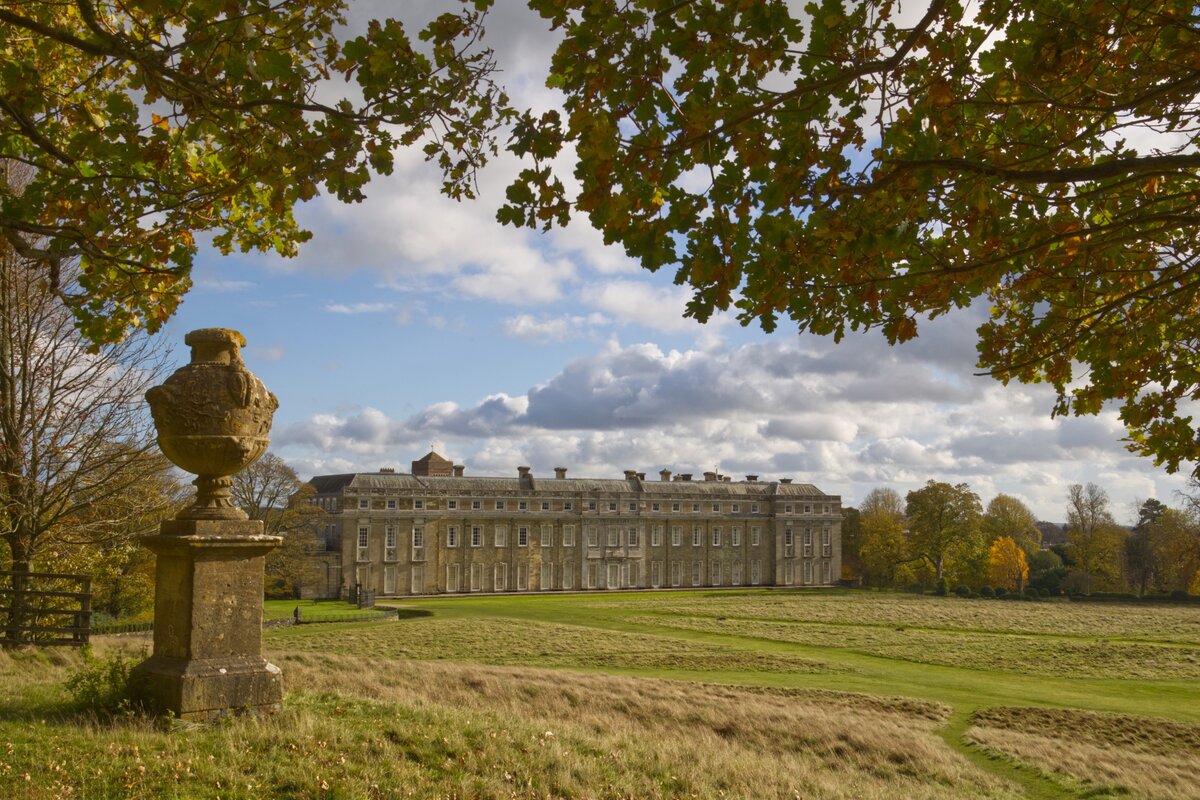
522, 471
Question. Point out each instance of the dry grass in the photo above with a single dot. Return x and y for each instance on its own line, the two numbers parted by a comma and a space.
1035, 655
504, 641
1145, 758
682, 739
358, 728
1165, 623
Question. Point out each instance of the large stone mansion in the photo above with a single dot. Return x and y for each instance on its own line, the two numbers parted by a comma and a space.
438, 531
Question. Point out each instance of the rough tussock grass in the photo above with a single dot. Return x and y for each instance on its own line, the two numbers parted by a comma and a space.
1107, 754
1029, 654
504, 641
362, 729
1161, 623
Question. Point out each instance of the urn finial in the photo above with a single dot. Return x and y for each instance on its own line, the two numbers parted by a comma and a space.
213, 416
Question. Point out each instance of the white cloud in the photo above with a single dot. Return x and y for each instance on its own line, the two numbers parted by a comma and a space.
547, 330
358, 308
657, 307
775, 408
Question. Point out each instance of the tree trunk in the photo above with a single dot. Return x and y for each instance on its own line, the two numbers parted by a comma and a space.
18, 583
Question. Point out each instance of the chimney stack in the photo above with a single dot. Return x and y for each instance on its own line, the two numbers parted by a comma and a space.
641, 476
664, 474
785, 480
522, 472
387, 470
458, 470
560, 473
630, 474
752, 478
710, 476
685, 476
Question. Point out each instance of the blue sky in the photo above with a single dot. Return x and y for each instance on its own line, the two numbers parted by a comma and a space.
411, 320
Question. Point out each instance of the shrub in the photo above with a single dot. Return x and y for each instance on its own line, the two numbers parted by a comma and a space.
986, 591
1031, 593
916, 588
1043, 592
940, 591
1180, 594
1001, 591
962, 590
103, 685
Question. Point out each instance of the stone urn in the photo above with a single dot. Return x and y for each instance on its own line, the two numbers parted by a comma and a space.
213, 417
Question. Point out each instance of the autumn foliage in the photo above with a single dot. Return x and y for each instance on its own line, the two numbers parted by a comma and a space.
868, 165
1006, 564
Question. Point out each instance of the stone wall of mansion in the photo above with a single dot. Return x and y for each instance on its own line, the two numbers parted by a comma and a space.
437, 531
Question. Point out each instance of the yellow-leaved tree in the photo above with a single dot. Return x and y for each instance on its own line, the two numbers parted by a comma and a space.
1007, 567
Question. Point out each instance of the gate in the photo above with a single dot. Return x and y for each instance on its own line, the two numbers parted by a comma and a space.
45, 608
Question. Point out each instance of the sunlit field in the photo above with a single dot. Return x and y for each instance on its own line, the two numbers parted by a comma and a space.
630, 695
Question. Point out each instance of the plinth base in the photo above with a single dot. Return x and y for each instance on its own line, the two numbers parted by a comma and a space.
208, 612
201, 691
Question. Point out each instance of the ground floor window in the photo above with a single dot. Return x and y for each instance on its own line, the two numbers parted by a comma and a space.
522, 577
697, 568
808, 572
737, 573
614, 576
674, 573
755, 573
452, 578
476, 577
546, 575
389, 580
500, 578
715, 573
418, 579
568, 576
789, 573
656, 574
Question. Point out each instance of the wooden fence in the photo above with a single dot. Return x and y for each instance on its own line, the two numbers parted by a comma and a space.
45, 608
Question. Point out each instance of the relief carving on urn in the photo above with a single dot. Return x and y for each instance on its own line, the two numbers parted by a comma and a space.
213, 417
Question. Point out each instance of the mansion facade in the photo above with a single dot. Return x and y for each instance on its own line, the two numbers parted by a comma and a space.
436, 531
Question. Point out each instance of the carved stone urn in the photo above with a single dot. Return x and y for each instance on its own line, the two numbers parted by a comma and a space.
213, 417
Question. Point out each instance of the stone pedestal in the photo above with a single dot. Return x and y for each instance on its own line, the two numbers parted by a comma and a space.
208, 609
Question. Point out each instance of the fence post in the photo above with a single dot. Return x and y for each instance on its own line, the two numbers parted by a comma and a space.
84, 618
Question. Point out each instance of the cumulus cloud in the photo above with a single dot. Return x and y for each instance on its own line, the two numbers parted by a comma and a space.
358, 308
547, 330
757, 408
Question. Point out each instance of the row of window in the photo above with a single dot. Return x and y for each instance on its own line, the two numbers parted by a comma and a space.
624, 575
615, 535
364, 504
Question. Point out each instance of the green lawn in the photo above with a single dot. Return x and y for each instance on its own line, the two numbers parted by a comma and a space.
309, 609
753, 694
965, 653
